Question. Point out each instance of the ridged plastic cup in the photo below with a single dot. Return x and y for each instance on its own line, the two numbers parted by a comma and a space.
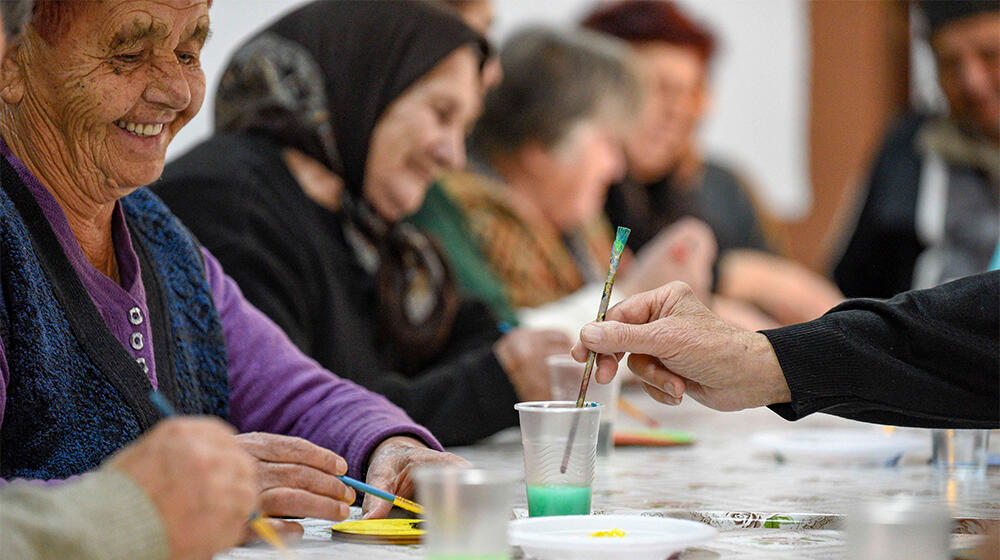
545, 430
466, 512
898, 528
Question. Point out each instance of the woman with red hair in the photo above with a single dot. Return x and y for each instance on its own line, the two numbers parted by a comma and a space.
669, 177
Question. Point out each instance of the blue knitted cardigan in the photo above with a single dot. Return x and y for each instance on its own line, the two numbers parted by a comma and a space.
75, 394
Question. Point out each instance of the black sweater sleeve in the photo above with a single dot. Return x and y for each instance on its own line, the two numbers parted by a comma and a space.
925, 358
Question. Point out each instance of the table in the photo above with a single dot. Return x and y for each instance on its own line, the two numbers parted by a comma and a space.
764, 510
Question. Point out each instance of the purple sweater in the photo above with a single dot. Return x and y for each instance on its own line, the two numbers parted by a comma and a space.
273, 387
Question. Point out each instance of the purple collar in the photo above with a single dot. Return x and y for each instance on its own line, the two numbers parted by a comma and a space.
93, 280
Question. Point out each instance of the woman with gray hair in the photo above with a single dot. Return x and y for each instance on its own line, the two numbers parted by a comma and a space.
542, 157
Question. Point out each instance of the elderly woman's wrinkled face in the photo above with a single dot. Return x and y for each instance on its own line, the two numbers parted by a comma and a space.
421, 134
109, 94
676, 100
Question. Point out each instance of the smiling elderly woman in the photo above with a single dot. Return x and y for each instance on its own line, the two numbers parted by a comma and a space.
105, 296
331, 124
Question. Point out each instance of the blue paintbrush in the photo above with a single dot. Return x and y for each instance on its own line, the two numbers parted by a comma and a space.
391, 498
161, 403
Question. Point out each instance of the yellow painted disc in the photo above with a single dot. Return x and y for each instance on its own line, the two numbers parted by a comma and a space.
381, 527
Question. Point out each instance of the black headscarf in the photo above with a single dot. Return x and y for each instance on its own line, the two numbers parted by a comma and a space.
368, 52
318, 80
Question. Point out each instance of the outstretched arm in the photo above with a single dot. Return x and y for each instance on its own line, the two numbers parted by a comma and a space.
924, 358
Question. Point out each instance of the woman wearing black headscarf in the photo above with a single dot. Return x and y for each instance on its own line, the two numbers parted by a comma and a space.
330, 126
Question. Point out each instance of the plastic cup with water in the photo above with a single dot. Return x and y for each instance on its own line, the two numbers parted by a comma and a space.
545, 430
960, 453
466, 512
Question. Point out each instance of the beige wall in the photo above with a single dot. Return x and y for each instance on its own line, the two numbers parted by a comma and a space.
858, 82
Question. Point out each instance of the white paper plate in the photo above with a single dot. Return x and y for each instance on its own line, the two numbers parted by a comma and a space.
858, 446
568, 537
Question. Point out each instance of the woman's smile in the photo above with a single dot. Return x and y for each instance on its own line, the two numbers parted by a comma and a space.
140, 129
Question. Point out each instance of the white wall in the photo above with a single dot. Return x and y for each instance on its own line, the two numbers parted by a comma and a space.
760, 119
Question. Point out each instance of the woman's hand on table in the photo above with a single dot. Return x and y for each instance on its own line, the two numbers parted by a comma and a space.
684, 250
522, 352
199, 480
297, 478
390, 468
678, 346
741, 314
782, 288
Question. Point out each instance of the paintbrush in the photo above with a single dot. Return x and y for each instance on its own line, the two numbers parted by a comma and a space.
628, 408
616, 253
389, 497
258, 522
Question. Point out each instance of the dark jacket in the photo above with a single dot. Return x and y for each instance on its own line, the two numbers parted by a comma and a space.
879, 258
291, 259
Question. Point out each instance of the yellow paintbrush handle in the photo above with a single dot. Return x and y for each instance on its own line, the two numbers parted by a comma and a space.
408, 505
259, 524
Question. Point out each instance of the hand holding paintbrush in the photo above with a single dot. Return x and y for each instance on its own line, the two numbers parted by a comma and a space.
176, 464
616, 252
257, 521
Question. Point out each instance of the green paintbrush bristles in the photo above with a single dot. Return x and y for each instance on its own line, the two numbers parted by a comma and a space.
620, 238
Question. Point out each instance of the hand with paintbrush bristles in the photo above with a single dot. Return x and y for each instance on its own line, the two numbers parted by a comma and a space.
200, 482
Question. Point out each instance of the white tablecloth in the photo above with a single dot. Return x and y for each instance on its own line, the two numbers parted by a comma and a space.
763, 509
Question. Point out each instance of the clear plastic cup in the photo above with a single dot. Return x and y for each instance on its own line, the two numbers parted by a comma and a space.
960, 453
545, 431
898, 528
565, 375
466, 512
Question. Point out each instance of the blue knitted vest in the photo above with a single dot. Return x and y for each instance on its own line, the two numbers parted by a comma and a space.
75, 394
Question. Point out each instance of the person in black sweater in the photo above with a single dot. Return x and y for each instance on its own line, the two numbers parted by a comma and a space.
925, 358
331, 123
931, 208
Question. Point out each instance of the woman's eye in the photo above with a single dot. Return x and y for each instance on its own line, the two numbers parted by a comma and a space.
187, 58
129, 58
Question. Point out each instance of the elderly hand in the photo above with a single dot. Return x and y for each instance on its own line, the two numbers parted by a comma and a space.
683, 251
390, 468
200, 481
679, 346
522, 352
297, 478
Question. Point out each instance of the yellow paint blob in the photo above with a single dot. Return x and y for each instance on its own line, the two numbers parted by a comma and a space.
611, 533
